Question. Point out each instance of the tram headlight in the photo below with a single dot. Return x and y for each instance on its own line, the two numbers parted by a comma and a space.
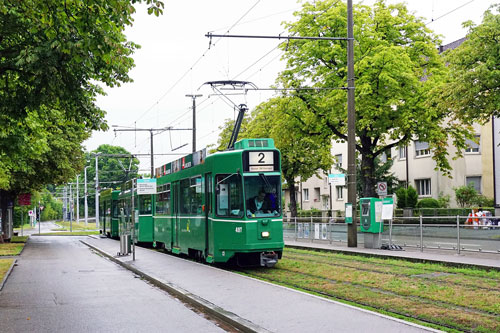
264, 234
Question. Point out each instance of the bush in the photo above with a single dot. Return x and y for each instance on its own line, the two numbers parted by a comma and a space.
466, 195
401, 197
443, 200
483, 201
428, 203
411, 197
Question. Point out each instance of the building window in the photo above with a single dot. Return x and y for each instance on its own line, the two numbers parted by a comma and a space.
316, 194
475, 182
423, 187
473, 146
340, 192
338, 159
306, 194
402, 153
422, 148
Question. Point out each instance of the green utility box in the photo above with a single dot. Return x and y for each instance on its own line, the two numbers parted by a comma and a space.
371, 215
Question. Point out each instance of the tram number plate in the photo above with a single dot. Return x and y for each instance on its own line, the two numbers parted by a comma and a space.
261, 161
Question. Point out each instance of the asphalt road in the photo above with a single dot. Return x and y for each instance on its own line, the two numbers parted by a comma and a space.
59, 285
40, 227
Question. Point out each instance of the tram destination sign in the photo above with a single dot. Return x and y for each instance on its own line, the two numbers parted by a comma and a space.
146, 186
260, 161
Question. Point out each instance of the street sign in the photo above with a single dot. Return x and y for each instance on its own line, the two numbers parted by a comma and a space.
382, 188
336, 179
348, 213
387, 208
31, 213
146, 186
24, 199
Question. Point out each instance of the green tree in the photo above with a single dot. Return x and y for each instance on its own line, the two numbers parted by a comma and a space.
393, 52
113, 171
472, 88
53, 56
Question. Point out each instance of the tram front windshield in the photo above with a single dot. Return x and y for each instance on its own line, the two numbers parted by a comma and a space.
262, 195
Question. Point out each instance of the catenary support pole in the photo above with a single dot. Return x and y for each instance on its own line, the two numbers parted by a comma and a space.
352, 235
86, 208
97, 191
193, 97
77, 199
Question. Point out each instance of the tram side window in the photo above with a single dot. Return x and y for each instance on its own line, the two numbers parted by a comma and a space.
191, 196
229, 195
163, 200
145, 204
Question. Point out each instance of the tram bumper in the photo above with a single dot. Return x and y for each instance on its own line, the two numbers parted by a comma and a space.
268, 259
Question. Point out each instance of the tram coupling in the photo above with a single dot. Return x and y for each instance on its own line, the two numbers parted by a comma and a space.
268, 259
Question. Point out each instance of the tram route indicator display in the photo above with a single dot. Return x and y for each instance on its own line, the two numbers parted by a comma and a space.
146, 186
260, 161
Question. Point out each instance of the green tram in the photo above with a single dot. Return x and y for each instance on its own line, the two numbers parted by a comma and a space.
225, 207
143, 205
108, 212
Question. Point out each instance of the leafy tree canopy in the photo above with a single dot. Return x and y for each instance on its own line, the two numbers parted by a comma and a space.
53, 56
473, 84
396, 65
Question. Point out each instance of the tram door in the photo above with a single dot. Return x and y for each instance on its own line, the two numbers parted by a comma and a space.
208, 213
176, 211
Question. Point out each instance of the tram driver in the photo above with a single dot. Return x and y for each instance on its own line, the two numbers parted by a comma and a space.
260, 204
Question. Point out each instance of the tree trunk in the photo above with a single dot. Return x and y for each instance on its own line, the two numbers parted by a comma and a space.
293, 199
5, 198
368, 171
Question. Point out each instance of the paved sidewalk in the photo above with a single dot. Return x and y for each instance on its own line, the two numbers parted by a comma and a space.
483, 260
58, 285
264, 306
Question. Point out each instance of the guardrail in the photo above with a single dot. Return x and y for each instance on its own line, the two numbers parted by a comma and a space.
423, 232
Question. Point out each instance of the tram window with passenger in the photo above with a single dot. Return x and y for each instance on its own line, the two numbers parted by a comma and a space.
229, 195
262, 195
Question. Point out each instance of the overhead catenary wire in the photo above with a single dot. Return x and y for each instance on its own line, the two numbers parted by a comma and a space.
194, 64
451, 11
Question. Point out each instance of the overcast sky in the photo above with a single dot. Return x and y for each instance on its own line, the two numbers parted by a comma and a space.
176, 59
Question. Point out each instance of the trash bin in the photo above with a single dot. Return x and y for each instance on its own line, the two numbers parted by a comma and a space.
124, 245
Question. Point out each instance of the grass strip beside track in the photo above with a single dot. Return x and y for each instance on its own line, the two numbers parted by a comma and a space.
452, 298
19, 239
76, 226
67, 233
11, 249
4, 267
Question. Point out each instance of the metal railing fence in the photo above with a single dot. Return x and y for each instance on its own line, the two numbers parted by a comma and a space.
455, 233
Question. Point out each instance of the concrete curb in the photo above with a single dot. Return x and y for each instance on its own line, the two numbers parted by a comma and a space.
395, 256
189, 298
4, 280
